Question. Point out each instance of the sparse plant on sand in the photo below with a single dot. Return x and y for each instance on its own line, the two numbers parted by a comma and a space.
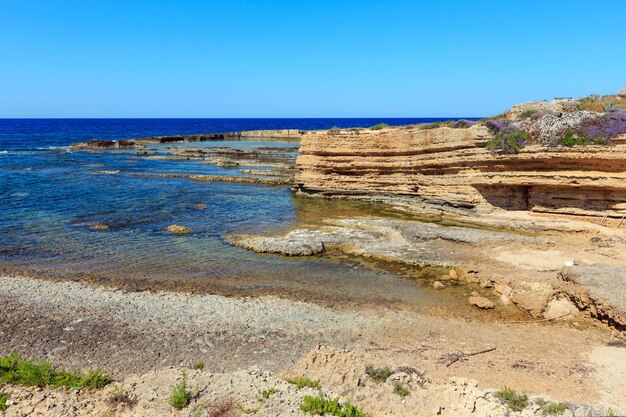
379, 126
515, 401
268, 392
4, 398
181, 396
15, 370
321, 405
400, 389
301, 382
551, 409
197, 366
378, 374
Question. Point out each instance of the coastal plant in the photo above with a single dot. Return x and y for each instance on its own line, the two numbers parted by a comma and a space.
604, 127
268, 392
496, 126
221, 408
551, 409
507, 141
119, 396
400, 389
197, 366
181, 396
528, 113
515, 401
463, 124
569, 139
379, 126
251, 410
15, 370
4, 398
321, 406
378, 374
301, 382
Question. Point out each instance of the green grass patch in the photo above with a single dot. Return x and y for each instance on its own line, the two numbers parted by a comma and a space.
321, 406
4, 398
378, 374
17, 371
400, 389
302, 382
181, 396
379, 126
551, 409
268, 393
515, 401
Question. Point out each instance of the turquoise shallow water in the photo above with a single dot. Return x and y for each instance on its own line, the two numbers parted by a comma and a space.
50, 196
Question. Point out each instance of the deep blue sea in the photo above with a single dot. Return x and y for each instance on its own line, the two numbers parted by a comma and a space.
50, 195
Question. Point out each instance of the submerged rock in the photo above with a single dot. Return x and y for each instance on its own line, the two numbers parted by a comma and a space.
481, 302
177, 229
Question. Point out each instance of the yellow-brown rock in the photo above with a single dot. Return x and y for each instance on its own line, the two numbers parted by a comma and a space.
450, 169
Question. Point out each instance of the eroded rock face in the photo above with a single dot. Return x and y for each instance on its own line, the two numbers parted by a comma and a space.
447, 169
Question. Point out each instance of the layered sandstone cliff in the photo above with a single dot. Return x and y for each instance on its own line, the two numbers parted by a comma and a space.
451, 169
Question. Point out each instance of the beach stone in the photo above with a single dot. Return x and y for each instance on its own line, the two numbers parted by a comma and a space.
177, 229
559, 307
481, 302
438, 285
453, 274
503, 290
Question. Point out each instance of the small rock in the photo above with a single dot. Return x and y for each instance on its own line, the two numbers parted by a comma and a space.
453, 274
438, 285
503, 289
177, 229
486, 283
560, 307
622, 92
98, 226
475, 294
481, 302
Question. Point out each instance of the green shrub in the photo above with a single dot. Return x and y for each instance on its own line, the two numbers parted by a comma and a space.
400, 389
528, 113
379, 126
323, 406
515, 401
508, 141
268, 393
302, 382
4, 397
15, 370
569, 139
378, 374
181, 396
554, 409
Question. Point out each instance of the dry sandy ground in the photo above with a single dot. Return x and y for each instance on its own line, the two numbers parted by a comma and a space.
147, 339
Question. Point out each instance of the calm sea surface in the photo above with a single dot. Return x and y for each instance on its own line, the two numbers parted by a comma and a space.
50, 195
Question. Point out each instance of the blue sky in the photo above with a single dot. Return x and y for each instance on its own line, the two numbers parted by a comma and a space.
136, 58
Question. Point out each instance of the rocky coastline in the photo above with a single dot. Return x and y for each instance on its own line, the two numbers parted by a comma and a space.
519, 216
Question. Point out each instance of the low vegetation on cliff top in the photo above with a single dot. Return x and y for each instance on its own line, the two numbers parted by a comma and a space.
17, 371
321, 406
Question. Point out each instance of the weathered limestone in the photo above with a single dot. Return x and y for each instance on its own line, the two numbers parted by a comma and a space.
450, 169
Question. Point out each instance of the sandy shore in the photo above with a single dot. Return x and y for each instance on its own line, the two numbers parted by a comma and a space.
153, 337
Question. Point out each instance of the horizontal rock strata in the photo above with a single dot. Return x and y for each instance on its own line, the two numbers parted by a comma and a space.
450, 169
